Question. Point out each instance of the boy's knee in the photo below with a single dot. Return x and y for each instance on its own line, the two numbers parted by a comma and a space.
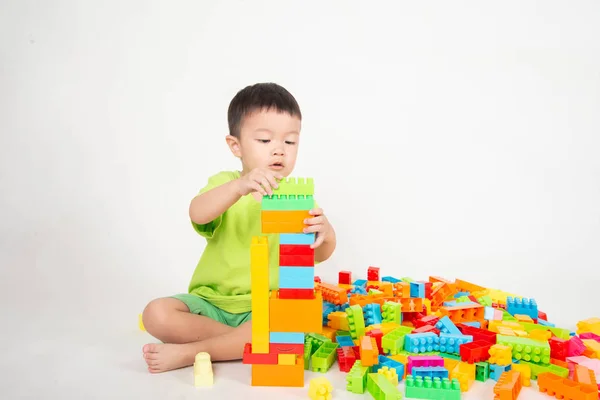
157, 313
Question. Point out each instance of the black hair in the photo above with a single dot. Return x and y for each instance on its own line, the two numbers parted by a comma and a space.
257, 97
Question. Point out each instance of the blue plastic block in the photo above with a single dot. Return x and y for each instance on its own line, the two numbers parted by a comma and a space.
445, 325
451, 343
296, 277
327, 309
496, 370
433, 372
384, 361
344, 341
417, 289
475, 324
372, 314
296, 238
360, 282
358, 290
286, 337
488, 313
545, 323
390, 279
454, 303
461, 294
421, 342
522, 306
515, 361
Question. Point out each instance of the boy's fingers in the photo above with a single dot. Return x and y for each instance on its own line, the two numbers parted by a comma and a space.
271, 180
312, 228
256, 186
318, 242
313, 221
316, 211
266, 185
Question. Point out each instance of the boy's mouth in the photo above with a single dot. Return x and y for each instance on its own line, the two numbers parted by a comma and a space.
276, 165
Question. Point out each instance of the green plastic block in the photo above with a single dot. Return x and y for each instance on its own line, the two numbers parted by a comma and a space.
485, 301
391, 312
506, 316
538, 369
482, 371
434, 389
382, 389
463, 299
534, 351
342, 333
445, 355
356, 321
393, 342
295, 186
287, 203
374, 291
316, 340
307, 353
324, 357
407, 279
356, 379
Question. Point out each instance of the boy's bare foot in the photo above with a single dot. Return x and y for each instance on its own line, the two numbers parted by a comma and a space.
166, 357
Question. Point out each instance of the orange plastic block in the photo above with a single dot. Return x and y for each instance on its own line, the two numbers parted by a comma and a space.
593, 346
290, 315
585, 376
554, 385
279, 375
329, 333
333, 293
283, 221
471, 312
369, 353
402, 289
508, 386
464, 286
363, 300
411, 305
338, 320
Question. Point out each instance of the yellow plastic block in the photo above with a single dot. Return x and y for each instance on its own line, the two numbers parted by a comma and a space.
390, 374
279, 375
539, 334
525, 371
500, 355
523, 318
589, 325
450, 363
592, 345
465, 373
286, 359
320, 389
203, 372
292, 315
385, 327
338, 320
259, 272
141, 323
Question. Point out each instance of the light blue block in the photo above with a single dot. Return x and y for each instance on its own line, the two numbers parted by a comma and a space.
475, 324
296, 238
360, 283
433, 372
546, 323
461, 294
421, 342
454, 303
496, 370
417, 289
296, 277
488, 314
286, 337
445, 325
345, 341
390, 279
451, 343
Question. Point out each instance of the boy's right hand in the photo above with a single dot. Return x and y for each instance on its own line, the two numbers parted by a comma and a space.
259, 180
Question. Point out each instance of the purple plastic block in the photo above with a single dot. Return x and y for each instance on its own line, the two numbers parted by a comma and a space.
424, 361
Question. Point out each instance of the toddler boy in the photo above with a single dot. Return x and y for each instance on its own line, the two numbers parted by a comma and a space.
215, 315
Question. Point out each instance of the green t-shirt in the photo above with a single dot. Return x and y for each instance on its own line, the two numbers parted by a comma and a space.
222, 275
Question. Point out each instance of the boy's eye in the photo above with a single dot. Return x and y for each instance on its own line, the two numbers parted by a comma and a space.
289, 142
264, 140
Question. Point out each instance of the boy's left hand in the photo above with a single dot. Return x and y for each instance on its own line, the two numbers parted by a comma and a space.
318, 224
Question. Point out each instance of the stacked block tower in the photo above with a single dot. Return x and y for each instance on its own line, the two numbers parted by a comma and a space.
280, 319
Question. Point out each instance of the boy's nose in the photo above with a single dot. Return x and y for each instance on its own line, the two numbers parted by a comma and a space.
277, 151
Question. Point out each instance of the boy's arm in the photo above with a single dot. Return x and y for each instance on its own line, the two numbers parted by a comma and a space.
325, 250
206, 207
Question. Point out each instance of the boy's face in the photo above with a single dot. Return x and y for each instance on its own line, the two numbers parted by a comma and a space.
268, 139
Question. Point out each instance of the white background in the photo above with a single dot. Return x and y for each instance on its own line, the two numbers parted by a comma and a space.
455, 138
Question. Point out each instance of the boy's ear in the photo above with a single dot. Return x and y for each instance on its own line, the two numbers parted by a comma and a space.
234, 145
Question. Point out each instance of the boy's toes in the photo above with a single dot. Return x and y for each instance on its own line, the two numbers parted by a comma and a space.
149, 348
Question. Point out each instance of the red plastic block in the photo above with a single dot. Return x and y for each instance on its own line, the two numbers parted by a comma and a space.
346, 358
286, 348
373, 274
297, 261
296, 250
477, 333
542, 315
317, 279
249, 358
345, 278
428, 320
378, 335
426, 328
475, 352
559, 348
296, 293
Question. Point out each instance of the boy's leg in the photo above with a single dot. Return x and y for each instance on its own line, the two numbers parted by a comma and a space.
170, 320
225, 347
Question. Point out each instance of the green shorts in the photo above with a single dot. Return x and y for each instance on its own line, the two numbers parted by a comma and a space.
198, 305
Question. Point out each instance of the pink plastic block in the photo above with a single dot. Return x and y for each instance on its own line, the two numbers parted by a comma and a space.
576, 347
590, 335
424, 361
